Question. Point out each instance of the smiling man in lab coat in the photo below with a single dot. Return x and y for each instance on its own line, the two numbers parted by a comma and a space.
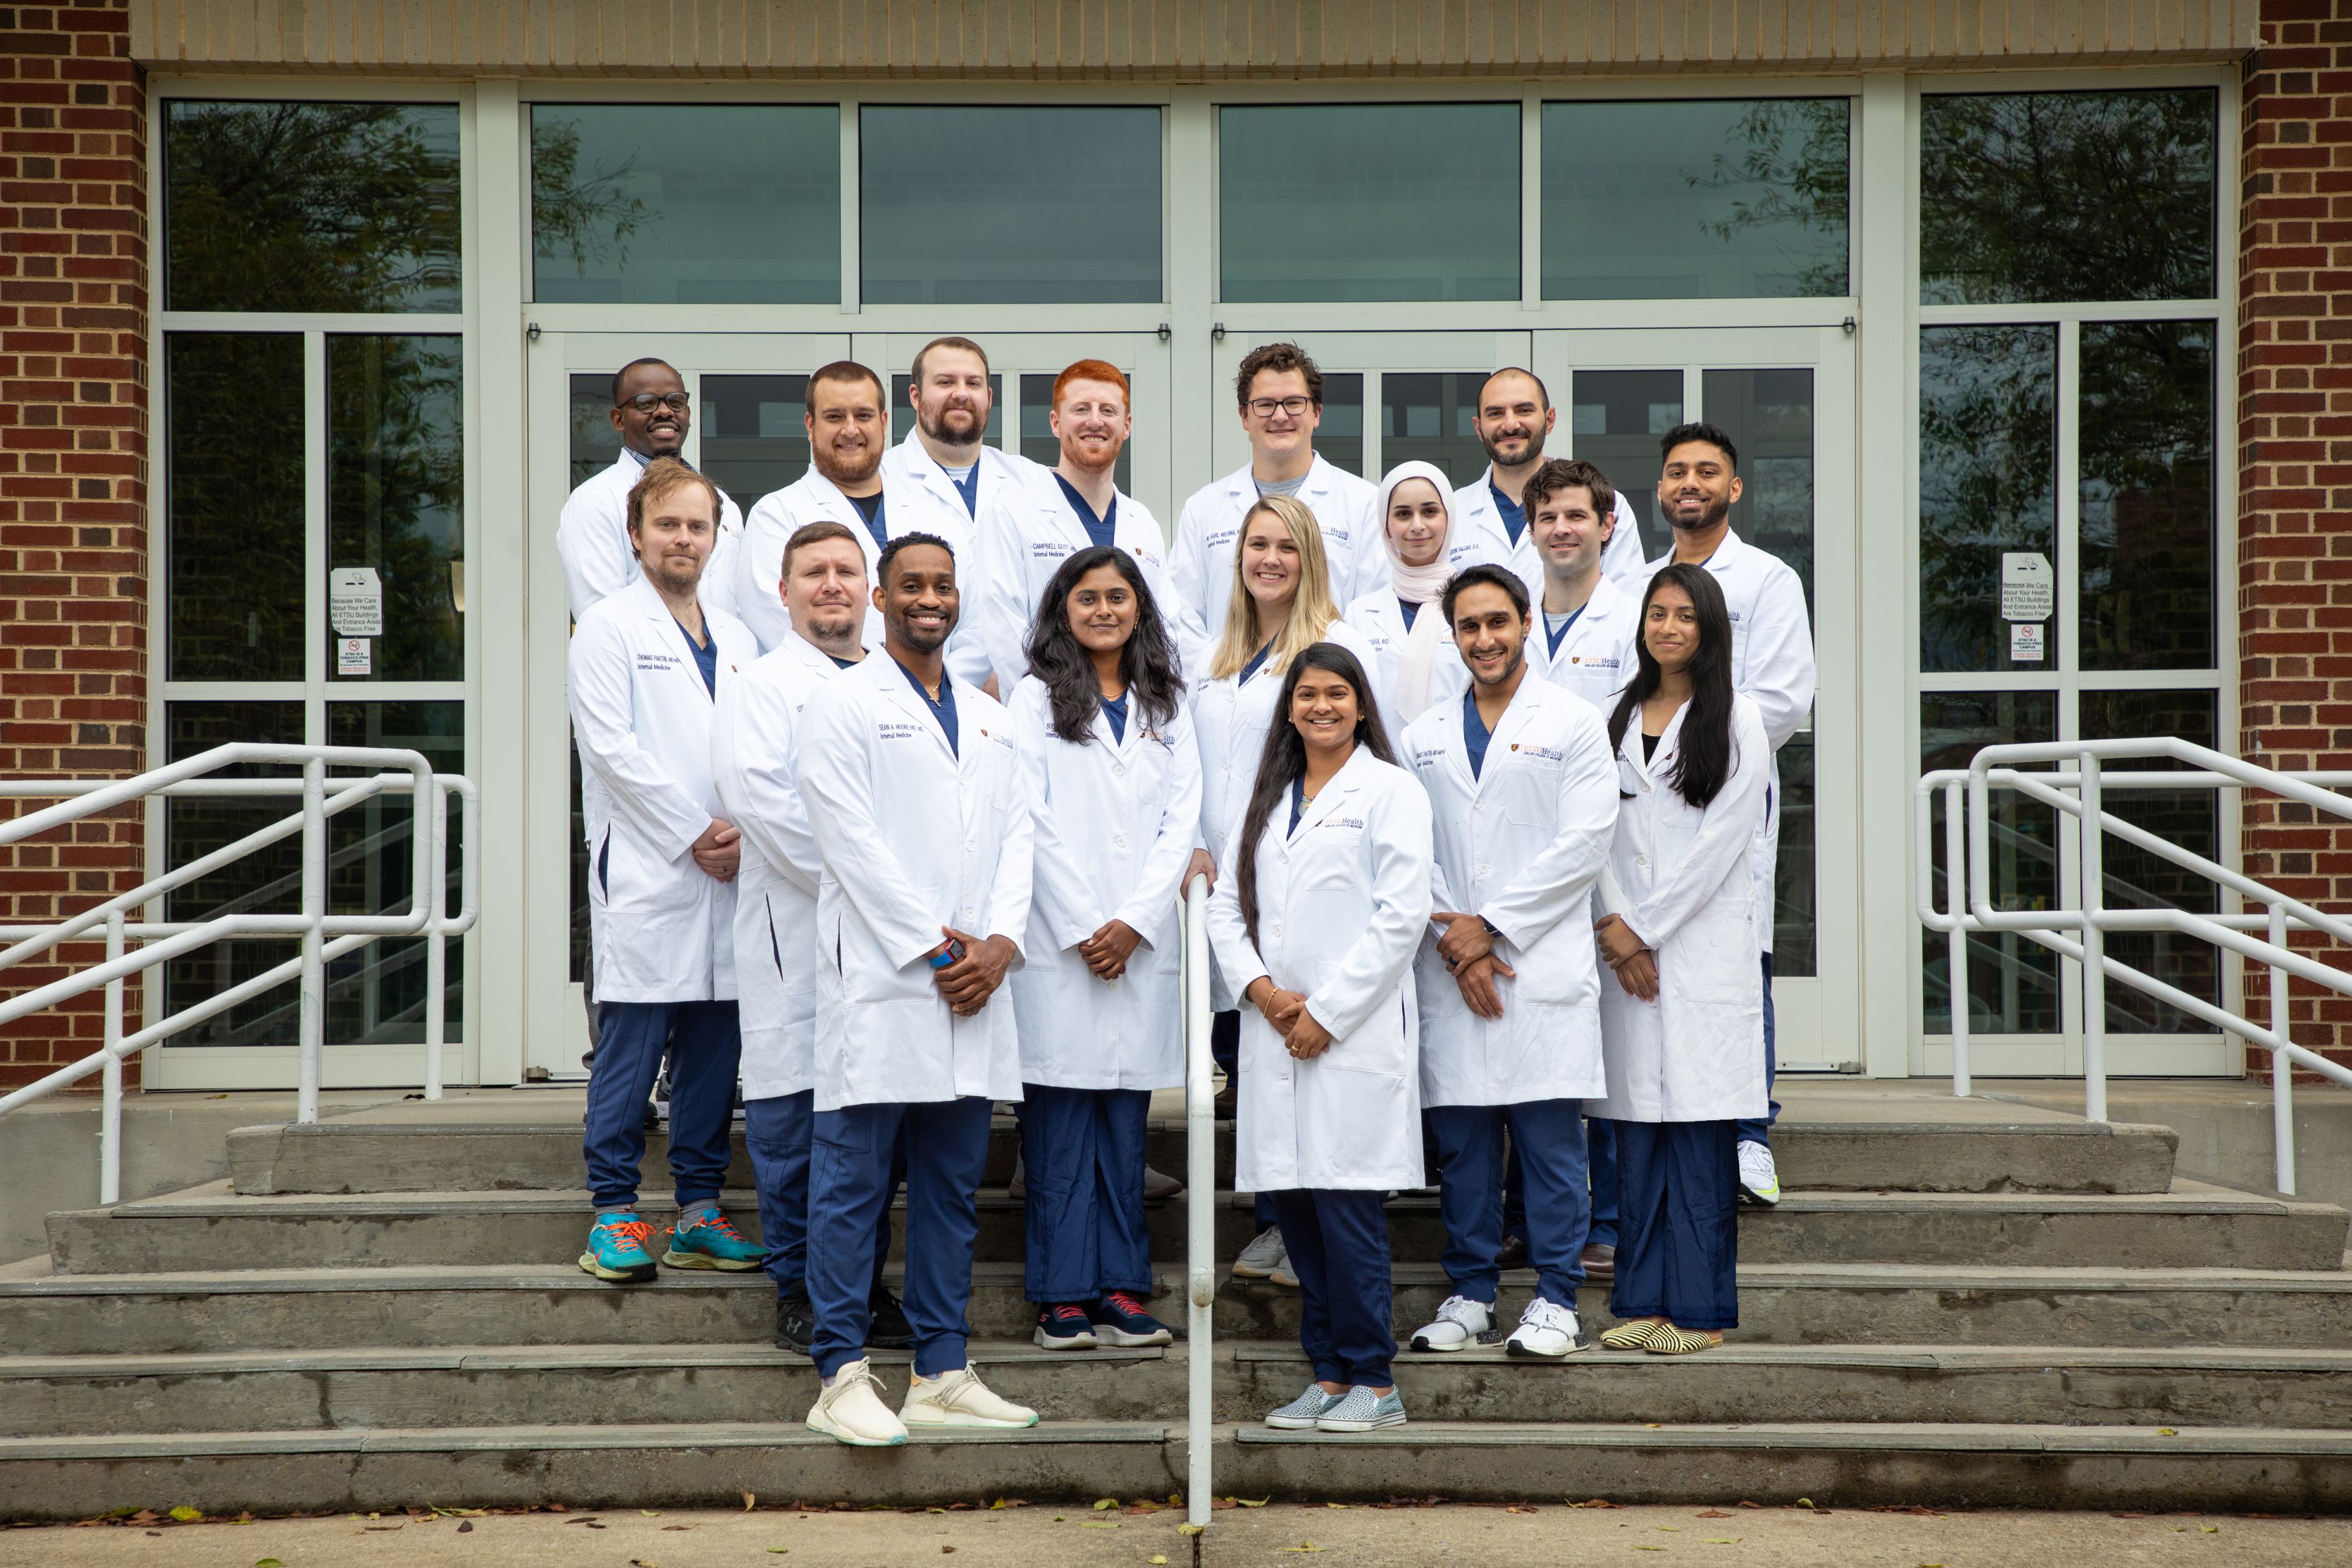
846, 419
652, 412
1771, 662
920, 812
646, 667
1493, 515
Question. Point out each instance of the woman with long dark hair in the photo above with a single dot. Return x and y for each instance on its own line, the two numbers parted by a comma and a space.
1114, 786
1320, 905
1683, 1026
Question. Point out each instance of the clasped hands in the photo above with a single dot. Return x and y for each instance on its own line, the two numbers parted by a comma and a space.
971, 980
1468, 949
1635, 964
719, 850
1286, 1010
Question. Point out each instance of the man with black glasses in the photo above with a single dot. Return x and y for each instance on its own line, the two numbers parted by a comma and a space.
652, 413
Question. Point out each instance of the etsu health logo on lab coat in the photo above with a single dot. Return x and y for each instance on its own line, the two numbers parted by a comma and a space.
1598, 661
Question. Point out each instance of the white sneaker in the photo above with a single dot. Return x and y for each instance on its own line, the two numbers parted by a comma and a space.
1460, 1322
1759, 1178
1262, 1257
851, 1409
1283, 1274
1547, 1330
960, 1399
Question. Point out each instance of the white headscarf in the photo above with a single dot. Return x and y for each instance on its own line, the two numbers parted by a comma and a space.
1426, 643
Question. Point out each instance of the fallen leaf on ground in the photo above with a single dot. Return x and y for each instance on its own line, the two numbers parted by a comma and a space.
1103, 1503
946, 1549
1720, 1540
1100, 1524
267, 1563
1303, 1546
1246, 1502
665, 1526
780, 1548
1712, 1513
1156, 1560
464, 1526
187, 1515
749, 1502
2166, 1432
1190, 1529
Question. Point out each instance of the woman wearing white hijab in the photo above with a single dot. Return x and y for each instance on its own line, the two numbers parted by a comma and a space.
1416, 665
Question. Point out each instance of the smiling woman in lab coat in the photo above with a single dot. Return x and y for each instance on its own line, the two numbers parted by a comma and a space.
1319, 906
1683, 1026
1417, 668
1115, 784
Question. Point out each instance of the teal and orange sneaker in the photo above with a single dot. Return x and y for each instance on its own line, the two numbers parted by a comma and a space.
705, 1238
616, 1248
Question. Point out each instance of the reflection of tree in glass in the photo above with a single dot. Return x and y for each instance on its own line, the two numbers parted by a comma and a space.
312, 206
233, 411
395, 486
2147, 495
585, 219
2066, 195
1805, 185
1987, 427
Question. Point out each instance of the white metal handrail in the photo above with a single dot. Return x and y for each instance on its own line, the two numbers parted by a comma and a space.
1200, 1186
2070, 777
322, 934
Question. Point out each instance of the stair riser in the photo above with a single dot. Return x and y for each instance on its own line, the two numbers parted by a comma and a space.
109, 1322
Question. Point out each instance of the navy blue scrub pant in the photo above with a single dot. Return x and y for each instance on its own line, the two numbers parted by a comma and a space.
946, 1149
1757, 1129
706, 1048
1338, 1246
1600, 1159
781, 1131
1082, 1152
1678, 1223
1547, 1135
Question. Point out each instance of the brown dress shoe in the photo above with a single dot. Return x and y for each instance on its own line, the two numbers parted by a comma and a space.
1599, 1258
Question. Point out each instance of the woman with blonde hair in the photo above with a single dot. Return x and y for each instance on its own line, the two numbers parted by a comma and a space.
1281, 606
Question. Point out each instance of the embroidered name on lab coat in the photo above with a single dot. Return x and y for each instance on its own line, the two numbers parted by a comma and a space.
658, 660
892, 729
1047, 549
1223, 536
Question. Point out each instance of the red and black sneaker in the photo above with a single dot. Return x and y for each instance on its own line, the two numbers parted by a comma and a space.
1064, 1325
1119, 1318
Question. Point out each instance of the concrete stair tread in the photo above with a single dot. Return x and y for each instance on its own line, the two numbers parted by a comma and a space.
1934, 1436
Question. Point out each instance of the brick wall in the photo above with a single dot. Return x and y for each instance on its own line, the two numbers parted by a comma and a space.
73, 467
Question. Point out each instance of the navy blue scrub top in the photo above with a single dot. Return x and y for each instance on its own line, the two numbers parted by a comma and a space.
706, 654
944, 710
1514, 516
968, 487
870, 509
1555, 635
1297, 802
1474, 733
1099, 530
1115, 710
1256, 659
1410, 609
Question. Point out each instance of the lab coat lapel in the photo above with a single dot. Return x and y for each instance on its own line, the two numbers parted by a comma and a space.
1335, 794
926, 472
1066, 517
650, 603
897, 689
1525, 701
1457, 748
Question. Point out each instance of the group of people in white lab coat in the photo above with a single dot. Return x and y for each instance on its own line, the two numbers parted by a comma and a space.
892, 788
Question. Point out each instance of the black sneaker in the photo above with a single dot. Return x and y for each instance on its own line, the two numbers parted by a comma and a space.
888, 1328
795, 1319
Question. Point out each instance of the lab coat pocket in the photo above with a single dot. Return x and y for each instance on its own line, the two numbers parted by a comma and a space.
1379, 1045
867, 972
1715, 956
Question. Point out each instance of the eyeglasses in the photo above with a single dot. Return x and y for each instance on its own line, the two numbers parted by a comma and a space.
645, 402
1267, 407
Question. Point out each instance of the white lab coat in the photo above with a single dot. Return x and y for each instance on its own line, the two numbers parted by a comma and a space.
919, 498
1230, 720
1024, 536
1520, 845
1479, 536
593, 541
754, 763
1772, 661
1342, 904
775, 518
1379, 618
913, 837
1209, 528
1696, 1052
1596, 658
1114, 825
660, 925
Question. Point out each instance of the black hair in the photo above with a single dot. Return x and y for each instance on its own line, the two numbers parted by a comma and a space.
1543, 393
844, 372
1284, 760
1155, 680
623, 374
1493, 576
907, 542
1703, 757
1699, 430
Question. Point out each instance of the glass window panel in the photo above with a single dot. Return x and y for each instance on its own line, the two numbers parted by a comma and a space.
753, 440
675, 204
310, 206
2067, 195
1615, 418
902, 413
234, 525
2135, 879
1696, 199
267, 881
1987, 432
1769, 414
1431, 416
1009, 205
596, 445
395, 496
2148, 496
2012, 979
1040, 444
376, 995
1362, 201
1339, 439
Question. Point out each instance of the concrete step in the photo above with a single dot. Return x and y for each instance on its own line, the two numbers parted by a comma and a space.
408, 1156
469, 1385
2195, 1226
555, 1303
1837, 1466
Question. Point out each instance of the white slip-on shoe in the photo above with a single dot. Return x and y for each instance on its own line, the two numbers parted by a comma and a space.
850, 1408
960, 1399
1460, 1321
1262, 1257
1547, 1330
1760, 1176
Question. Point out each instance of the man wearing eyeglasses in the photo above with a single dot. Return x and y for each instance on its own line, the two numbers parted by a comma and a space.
1280, 392
652, 413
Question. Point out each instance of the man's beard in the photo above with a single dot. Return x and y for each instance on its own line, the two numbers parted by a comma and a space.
839, 472
1518, 657
1715, 513
923, 641
1535, 440
936, 426
676, 575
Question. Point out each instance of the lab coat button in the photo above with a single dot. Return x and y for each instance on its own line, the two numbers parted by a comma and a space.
1119, 769
1641, 860
1119, 842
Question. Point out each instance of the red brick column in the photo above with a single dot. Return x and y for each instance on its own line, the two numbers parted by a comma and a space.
73, 471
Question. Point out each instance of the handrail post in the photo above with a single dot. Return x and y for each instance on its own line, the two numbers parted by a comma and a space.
110, 1125
1201, 1187
1956, 966
314, 915
2281, 1069
2095, 943
436, 957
